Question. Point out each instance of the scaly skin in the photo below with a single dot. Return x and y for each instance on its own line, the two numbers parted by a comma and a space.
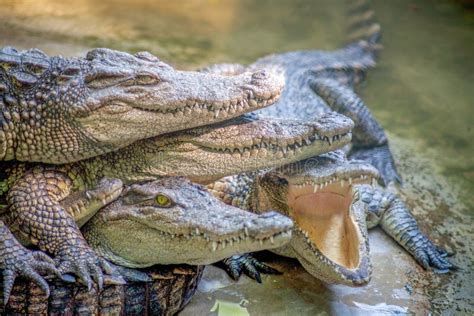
16, 260
61, 110
332, 205
167, 221
317, 82
203, 154
191, 227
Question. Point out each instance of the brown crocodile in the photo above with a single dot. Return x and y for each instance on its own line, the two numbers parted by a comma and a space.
166, 291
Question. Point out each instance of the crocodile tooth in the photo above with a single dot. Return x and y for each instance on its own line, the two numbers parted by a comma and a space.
261, 242
315, 188
272, 240
197, 231
231, 242
104, 201
350, 180
223, 244
246, 231
342, 183
216, 114
374, 182
214, 246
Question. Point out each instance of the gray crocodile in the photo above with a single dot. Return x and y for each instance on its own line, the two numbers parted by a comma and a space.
203, 154
166, 221
61, 110
317, 82
333, 202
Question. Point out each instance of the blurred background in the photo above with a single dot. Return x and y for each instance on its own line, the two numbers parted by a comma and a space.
421, 91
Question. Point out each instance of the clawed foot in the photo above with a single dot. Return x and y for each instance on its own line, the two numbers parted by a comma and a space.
381, 158
19, 261
247, 264
82, 261
431, 256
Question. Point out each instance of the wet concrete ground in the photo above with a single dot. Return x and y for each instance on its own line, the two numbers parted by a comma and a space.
421, 92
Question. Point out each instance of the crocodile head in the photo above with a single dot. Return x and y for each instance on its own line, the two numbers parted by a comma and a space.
320, 195
66, 109
208, 153
173, 221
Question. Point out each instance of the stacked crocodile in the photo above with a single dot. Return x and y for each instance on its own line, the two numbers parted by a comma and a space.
57, 110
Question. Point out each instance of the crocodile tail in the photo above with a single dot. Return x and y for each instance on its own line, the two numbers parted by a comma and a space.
362, 24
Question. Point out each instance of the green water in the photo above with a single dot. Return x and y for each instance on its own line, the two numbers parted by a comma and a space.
421, 91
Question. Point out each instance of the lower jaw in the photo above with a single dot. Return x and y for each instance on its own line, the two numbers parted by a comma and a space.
331, 273
332, 229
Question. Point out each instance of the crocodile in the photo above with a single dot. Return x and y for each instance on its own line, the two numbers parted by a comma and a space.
166, 221
60, 110
203, 154
333, 201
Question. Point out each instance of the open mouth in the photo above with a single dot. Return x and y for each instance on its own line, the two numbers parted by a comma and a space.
324, 213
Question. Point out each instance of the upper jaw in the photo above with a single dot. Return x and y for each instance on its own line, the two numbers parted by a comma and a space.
127, 115
264, 231
248, 132
217, 97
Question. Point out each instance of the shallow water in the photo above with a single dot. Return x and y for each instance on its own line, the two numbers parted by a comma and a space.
421, 92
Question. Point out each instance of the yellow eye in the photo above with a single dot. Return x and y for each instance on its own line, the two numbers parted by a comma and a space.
163, 200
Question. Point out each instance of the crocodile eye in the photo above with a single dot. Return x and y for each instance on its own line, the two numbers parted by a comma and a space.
146, 79
163, 201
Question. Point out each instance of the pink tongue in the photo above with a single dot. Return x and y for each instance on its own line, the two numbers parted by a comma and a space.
324, 216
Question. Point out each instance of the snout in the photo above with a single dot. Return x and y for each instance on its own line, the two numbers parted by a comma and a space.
268, 224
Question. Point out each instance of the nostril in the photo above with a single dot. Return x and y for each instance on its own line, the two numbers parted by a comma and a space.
260, 75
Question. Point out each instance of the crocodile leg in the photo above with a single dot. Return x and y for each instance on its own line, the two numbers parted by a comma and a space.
16, 260
388, 211
35, 207
246, 263
369, 139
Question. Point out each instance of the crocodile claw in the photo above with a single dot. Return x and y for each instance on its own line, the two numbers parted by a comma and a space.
247, 264
432, 257
28, 264
82, 261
